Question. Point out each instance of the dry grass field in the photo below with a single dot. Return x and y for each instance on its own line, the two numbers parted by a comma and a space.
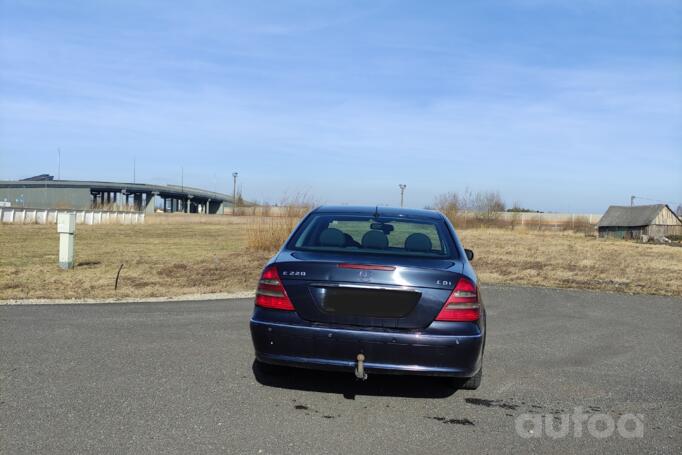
167, 258
569, 260
158, 260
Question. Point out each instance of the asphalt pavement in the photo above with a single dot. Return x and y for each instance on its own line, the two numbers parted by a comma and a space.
177, 377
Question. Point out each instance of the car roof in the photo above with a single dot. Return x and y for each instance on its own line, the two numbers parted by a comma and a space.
383, 211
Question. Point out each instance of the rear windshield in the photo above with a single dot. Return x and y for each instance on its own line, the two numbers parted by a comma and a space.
364, 234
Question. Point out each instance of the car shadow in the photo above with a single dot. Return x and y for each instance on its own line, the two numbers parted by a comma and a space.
347, 385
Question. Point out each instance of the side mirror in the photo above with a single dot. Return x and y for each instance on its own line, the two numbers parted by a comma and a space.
469, 253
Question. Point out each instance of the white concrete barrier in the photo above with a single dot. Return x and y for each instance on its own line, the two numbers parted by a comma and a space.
550, 218
20, 215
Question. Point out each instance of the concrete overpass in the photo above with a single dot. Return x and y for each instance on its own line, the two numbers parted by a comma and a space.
81, 195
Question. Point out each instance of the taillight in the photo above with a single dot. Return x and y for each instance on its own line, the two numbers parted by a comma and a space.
271, 293
462, 305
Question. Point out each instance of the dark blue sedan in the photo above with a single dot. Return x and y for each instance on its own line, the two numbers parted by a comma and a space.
372, 290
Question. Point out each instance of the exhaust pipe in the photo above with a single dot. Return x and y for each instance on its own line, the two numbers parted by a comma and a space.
360, 367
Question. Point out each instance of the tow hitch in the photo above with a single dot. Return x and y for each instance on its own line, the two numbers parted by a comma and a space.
360, 367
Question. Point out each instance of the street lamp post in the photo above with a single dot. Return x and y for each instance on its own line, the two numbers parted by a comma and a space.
234, 192
402, 187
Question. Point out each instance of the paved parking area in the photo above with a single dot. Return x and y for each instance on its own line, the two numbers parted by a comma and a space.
177, 378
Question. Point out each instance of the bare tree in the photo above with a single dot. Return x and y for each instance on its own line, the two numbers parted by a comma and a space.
488, 205
448, 203
468, 200
678, 210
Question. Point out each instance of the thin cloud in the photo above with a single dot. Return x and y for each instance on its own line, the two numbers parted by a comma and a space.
327, 95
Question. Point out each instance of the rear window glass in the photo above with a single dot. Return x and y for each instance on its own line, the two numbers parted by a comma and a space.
349, 234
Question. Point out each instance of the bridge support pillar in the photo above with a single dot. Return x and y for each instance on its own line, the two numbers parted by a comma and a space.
137, 201
150, 202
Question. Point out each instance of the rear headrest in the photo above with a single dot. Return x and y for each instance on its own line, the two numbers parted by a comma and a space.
418, 242
332, 237
374, 239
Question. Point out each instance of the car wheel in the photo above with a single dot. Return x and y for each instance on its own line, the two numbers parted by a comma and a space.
471, 383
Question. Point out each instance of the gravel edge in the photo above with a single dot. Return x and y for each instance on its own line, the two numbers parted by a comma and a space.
179, 298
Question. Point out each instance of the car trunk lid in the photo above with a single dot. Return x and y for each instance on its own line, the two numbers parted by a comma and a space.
406, 293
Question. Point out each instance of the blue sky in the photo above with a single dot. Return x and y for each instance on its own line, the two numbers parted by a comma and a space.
561, 106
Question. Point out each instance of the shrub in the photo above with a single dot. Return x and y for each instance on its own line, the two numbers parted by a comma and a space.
488, 205
268, 232
480, 209
449, 204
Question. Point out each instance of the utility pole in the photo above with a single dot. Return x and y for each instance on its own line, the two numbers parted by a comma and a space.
234, 192
402, 187
632, 201
59, 164
182, 179
133, 170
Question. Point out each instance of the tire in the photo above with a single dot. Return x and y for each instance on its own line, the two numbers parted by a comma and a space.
267, 369
471, 383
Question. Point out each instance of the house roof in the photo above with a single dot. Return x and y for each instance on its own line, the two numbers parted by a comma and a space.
638, 215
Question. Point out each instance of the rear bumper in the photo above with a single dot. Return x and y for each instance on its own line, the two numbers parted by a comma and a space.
433, 351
